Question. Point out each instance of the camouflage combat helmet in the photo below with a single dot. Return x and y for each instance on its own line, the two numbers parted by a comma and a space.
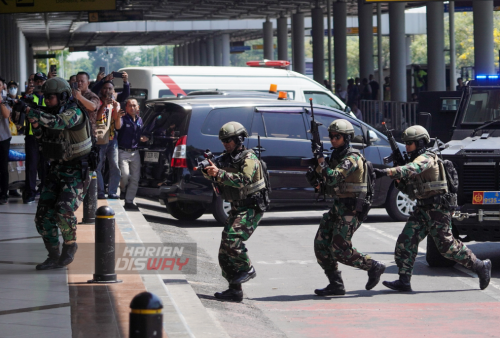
57, 85
415, 133
341, 126
232, 129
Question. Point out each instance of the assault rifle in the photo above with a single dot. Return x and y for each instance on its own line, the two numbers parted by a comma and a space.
311, 175
209, 156
396, 157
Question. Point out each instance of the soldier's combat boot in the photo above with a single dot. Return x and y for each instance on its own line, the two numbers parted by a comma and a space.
402, 284
483, 270
244, 276
52, 260
374, 274
68, 254
336, 286
234, 293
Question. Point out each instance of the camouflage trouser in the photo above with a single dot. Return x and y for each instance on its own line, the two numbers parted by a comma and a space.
62, 194
240, 225
332, 243
436, 222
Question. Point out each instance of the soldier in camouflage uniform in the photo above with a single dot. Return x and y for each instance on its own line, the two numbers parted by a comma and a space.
344, 178
64, 133
424, 179
240, 181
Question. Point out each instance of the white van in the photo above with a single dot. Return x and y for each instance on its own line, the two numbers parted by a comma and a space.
160, 82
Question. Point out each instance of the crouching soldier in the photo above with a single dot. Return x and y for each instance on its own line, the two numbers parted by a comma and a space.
64, 133
424, 179
344, 178
239, 177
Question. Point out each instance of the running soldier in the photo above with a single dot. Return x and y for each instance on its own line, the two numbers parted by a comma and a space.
344, 178
424, 179
240, 180
65, 136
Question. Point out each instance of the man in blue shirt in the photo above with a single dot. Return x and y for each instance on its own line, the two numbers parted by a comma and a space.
129, 135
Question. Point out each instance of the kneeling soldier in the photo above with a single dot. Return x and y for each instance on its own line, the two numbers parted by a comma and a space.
345, 179
240, 180
424, 179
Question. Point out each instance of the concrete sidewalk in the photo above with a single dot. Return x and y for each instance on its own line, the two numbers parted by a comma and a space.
59, 303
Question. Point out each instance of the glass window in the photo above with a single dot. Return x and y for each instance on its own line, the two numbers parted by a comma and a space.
258, 126
450, 103
285, 125
218, 117
483, 106
322, 98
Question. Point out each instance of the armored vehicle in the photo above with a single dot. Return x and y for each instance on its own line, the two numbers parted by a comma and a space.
469, 121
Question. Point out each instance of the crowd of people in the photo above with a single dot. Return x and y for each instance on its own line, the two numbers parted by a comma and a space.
115, 122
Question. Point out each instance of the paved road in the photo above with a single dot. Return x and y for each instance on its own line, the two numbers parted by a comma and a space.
280, 302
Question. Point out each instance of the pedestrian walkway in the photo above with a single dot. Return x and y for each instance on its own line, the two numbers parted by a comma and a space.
60, 303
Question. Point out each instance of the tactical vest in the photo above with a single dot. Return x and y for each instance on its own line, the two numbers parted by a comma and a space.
232, 194
353, 184
67, 144
429, 183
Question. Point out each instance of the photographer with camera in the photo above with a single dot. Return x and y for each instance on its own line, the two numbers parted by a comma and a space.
85, 97
107, 117
65, 135
102, 79
5, 137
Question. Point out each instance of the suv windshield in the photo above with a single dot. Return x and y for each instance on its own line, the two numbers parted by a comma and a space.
484, 105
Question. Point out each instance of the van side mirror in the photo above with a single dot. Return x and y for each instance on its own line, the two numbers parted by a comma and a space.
372, 136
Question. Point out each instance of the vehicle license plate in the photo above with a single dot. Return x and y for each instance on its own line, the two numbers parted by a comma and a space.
151, 156
486, 197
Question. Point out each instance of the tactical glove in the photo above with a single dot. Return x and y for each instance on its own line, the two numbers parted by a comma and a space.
380, 172
312, 177
317, 150
20, 106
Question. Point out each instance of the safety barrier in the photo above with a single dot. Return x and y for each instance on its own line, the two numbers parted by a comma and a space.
397, 115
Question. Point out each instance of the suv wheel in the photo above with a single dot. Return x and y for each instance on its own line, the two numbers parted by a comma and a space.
399, 205
434, 257
185, 211
221, 209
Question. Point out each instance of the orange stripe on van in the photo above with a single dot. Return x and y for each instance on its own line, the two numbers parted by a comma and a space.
174, 88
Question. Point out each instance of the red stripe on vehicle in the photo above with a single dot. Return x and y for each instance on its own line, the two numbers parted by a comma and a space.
174, 88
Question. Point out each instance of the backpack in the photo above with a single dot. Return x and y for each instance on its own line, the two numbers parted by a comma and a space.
451, 175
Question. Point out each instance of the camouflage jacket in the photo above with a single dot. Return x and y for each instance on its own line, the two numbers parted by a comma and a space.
343, 169
246, 174
422, 163
66, 120
415, 175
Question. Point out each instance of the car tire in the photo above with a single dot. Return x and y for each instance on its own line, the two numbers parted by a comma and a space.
434, 257
185, 211
399, 205
220, 210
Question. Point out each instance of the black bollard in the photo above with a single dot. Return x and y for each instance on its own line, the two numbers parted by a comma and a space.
105, 246
146, 319
90, 201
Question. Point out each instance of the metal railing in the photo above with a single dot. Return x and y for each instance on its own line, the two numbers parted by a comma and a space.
397, 115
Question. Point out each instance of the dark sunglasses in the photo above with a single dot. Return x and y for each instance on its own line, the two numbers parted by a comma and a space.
226, 140
336, 136
409, 143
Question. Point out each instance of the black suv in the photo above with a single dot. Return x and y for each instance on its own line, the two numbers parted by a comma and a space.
181, 129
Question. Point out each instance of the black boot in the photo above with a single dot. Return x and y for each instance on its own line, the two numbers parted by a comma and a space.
403, 284
68, 254
244, 276
336, 286
52, 261
234, 293
374, 273
483, 270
